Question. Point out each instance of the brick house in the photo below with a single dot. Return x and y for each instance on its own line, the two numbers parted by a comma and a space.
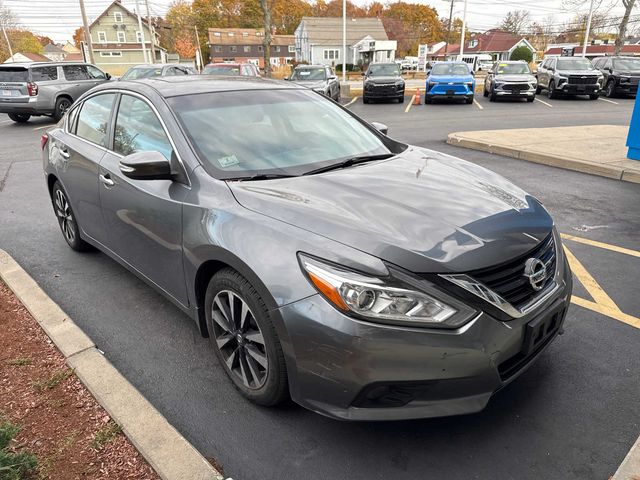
246, 45
495, 43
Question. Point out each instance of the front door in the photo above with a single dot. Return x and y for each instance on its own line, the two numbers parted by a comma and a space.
143, 217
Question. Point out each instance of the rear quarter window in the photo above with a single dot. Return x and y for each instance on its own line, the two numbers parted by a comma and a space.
44, 74
9, 74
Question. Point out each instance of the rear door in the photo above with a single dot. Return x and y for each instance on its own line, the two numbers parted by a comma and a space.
78, 80
13, 84
144, 217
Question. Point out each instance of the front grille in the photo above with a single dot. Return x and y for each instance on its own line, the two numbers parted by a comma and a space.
635, 80
388, 88
508, 280
516, 87
582, 80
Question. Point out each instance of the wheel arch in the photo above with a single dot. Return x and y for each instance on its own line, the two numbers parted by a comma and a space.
51, 179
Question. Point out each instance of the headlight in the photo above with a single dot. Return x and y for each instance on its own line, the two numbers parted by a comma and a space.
433, 84
625, 79
386, 300
469, 84
400, 84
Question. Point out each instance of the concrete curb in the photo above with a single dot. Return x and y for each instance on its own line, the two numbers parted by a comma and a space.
168, 452
610, 171
629, 469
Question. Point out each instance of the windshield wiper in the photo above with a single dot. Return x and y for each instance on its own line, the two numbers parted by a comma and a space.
259, 176
350, 162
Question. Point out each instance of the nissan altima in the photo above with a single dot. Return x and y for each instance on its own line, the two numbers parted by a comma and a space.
365, 278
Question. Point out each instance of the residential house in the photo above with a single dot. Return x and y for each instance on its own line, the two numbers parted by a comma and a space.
594, 51
319, 41
496, 43
117, 40
54, 53
70, 48
247, 45
26, 58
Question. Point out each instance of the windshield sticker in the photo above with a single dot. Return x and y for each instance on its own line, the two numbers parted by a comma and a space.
303, 73
228, 161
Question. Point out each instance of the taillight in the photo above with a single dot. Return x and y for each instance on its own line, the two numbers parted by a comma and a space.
43, 140
32, 88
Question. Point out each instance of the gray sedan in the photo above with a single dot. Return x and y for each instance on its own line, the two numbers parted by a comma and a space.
365, 278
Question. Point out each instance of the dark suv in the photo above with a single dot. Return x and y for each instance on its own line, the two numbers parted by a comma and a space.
383, 81
569, 76
621, 74
39, 88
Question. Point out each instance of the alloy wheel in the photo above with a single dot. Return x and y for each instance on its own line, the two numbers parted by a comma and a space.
65, 216
63, 107
239, 339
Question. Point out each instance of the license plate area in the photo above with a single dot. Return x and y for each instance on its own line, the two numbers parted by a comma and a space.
538, 331
6, 93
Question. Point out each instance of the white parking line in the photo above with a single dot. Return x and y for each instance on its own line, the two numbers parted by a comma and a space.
610, 101
478, 104
353, 100
406, 110
44, 126
545, 103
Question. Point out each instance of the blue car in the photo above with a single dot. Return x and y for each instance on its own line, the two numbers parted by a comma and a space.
450, 80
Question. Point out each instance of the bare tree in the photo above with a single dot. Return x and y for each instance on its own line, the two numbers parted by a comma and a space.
266, 43
7, 22
515, 21
622, 29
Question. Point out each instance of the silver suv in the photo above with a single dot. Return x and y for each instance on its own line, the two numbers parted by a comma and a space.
39, 88
569, 76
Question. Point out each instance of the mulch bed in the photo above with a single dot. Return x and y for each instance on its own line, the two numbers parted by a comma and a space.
61, 423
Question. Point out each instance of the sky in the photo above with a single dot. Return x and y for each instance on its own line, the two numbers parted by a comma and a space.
58, 19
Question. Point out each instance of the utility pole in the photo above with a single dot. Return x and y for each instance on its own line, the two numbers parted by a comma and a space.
464, 27
446, 47
87, 34
588, 31
144, 46
6, 37
152, 33
200, 63
344, 40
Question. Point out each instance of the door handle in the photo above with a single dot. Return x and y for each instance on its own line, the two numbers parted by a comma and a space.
106, 179
64, 153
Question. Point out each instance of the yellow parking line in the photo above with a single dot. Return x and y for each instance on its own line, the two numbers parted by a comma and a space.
406, 110
606, 246
478, 104
615, 314
353, 100
544, 103
589, 283
610, 101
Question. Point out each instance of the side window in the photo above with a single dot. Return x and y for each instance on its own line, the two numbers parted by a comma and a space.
139, 130
93, 119
75, 72
178, 71
44, 74
95, 73
607, 64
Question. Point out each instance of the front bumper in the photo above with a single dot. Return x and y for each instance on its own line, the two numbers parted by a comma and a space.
573, 89
627, 88
349, 369
382, 92
505, 92
445, 90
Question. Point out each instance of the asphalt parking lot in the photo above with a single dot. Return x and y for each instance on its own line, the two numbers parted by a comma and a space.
573, 415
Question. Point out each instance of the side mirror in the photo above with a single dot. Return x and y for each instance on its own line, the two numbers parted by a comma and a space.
150, 165
108, 75
381, 127
332, 77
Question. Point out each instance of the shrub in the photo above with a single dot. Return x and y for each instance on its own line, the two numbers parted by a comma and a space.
522, 53
13, 466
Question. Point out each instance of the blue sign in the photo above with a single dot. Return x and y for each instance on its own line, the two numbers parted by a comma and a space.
633, 140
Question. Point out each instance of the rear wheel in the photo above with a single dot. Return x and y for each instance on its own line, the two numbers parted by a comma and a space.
244, 338
19, 117
67, 219
62, 105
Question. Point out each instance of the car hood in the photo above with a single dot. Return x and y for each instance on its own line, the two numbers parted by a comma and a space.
386, 79
421, 210
450, 78
594, 73
310, 83
515, 78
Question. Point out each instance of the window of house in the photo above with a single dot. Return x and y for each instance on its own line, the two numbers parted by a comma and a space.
102, 37
331, 54
110, 54
216, 34
122, 37
43, 74
260, 48
117, 17
94, 118
245, 34
277, 48
217, 48
138, 36
233, 49
247, 48
292, 49
139, 130
231, 34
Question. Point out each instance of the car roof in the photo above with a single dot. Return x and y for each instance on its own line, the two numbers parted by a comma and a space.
227, 64
156, 65
41, 64
195, 84
311, 66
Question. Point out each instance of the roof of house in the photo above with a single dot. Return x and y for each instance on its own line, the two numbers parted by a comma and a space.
70, 48
74, 57
491, 41
34, 57
245, 36
600, 50
328, 30
117, 2
51, 48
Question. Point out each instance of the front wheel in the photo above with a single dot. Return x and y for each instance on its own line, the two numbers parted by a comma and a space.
244, 339
531, 99
67, 219
594, 96
469, 100
401, 99
551, 93
610, 89
20, 117
365, 99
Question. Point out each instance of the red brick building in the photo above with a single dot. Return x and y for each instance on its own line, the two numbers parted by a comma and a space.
246, 45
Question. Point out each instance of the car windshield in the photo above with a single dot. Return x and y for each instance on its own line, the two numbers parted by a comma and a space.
231, 70
308, 74
384, 70
143, 72
574, 64
513, 69
626, 63
242, 134
450, 69
12, 74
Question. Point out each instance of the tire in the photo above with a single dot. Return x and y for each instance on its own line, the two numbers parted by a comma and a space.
469, 100
610, 89
428, 100
20, 117
67, 219
531, 99
252, 348
594, 96
401, 99
485, 92
62, 105
492, 96
551, 93
365, 99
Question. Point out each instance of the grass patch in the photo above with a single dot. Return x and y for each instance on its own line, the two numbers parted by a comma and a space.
13, 466
55, 380
20, 362
105, 435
